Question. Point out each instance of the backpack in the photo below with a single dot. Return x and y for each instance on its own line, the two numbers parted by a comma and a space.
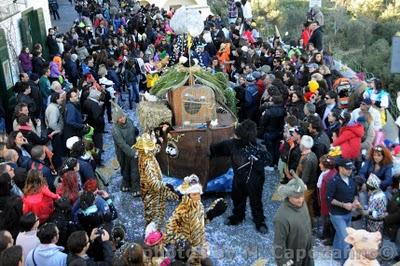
37, 166
343, 88
250, 97
256, 155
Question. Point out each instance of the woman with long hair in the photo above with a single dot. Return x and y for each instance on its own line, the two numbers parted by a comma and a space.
18, 142
70, 181
295, 104
38, 198
379, 163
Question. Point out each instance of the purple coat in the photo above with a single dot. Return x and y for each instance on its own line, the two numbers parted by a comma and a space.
54, 71
26, 62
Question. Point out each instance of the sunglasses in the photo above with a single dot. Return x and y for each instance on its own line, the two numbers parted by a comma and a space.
327, 98
378, 148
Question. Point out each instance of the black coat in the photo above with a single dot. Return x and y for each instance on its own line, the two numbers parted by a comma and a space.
37, 98
273, 118
38, 64
10, 213
95, 114
239, 152
52, 45
316, 39
22, 98
104, 247
392, 220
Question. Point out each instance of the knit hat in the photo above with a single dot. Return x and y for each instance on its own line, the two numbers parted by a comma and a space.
294, 188
312, 65
117, 112
74, 57
152, 235
153, 238
250, 78
190, 185
313, 86
307, 141
90, 185
373, 181
71, 141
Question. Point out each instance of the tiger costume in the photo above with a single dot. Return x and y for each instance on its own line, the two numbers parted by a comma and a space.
187, 223
153, 191
189, 218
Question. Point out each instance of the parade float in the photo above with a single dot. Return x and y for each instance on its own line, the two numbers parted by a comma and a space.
193, 109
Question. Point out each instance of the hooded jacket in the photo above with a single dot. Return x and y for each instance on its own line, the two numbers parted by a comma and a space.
47, 254
26, 62
41, 204
349, 140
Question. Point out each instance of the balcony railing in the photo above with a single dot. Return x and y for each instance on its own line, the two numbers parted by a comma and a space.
9, 8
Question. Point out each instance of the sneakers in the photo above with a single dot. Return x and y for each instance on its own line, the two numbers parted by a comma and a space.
263, 229
232, 220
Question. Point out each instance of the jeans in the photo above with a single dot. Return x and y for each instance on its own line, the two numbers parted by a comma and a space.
340, 247
2, 125
133, 92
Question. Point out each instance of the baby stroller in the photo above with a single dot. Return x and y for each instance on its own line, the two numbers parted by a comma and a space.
344, 89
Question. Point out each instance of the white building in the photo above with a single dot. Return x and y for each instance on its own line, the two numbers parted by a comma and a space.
200, 5
22, 22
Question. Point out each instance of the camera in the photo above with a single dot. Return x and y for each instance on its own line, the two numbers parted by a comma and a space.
100, 231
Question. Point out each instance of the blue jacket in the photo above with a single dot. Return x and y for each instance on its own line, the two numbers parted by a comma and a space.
338, 189
384, 173
86, 170
73, 122
100, 203
250, 96
49, 254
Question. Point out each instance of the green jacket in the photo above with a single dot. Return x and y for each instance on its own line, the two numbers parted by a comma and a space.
293, 238
44, 85
124, 137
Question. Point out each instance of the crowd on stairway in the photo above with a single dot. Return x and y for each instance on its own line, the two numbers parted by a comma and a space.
323, 133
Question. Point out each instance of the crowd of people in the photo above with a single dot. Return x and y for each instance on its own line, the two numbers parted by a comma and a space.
323, 133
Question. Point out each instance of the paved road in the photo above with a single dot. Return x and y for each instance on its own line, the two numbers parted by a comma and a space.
67, 14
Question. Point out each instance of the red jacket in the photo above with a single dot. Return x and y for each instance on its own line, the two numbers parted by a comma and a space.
305, 35
322, 191
41, 203
349, 140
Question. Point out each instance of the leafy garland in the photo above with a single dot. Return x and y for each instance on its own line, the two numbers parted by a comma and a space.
178, 76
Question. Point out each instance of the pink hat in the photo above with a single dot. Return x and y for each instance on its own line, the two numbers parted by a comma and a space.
396, 150
153, 238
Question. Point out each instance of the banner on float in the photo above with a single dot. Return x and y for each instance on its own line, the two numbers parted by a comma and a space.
315, 3
395, 65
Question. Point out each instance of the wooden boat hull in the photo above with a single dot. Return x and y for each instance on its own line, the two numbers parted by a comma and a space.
192, 147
